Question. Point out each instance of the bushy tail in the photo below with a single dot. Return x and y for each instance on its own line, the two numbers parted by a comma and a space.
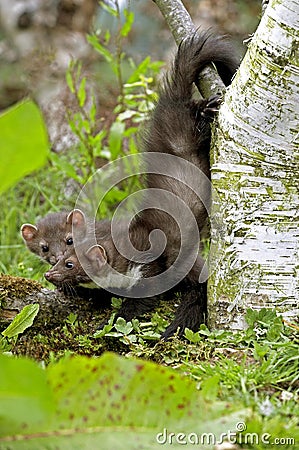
194, 53
180, 125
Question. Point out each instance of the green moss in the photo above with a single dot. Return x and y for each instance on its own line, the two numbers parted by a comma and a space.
17, 287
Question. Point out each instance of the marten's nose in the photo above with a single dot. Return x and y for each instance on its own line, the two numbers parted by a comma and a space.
48, 276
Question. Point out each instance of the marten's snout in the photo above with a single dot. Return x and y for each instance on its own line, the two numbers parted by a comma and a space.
52, 276
48, 275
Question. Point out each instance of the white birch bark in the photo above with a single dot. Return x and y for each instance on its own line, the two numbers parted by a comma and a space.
255, 168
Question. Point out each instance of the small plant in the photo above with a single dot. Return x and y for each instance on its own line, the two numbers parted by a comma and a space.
262, 357
21, 322
132, 332
135, 99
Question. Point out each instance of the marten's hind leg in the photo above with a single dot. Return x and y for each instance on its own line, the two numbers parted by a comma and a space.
191, 312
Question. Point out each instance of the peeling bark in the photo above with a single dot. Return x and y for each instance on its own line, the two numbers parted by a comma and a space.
255, 164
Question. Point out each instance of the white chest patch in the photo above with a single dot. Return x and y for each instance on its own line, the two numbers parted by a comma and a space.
114, 279
90, 285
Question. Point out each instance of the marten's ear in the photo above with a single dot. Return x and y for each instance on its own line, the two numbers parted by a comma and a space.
97, 256
77, 222
28, 231
76, 218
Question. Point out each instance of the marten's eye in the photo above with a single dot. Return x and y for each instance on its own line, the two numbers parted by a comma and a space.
45, 248
69, 265
69, 241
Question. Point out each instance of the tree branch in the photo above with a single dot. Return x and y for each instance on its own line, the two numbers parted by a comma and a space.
181, 26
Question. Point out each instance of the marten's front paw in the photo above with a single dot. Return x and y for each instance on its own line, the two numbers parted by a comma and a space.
212, 106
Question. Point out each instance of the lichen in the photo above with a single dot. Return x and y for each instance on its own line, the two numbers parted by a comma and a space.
254, 239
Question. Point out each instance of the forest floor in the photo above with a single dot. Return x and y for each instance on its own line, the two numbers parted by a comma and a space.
256, 369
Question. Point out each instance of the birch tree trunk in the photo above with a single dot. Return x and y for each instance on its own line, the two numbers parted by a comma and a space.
255, 165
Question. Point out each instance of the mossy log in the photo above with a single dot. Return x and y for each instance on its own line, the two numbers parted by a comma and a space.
55, 306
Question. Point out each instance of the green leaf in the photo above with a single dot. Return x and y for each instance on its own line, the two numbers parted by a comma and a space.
192, 337
210, 387
82, 92
64, 165
112, 11
26, 402
101, 333
110, 402
69, 80
93, 40
116, 302
22, 321
97, 144
93, 110
260, 350
127, 26
107, 37
250, 317
203, 329
115, 138
142, 70
23, 144
123, 327
126, 115
71, 319
275, 330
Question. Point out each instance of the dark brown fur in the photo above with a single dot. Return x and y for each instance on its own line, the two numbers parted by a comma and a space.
50, 237
180, 126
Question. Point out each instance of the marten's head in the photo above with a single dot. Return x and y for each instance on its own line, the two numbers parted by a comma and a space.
50, 237
69, 265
